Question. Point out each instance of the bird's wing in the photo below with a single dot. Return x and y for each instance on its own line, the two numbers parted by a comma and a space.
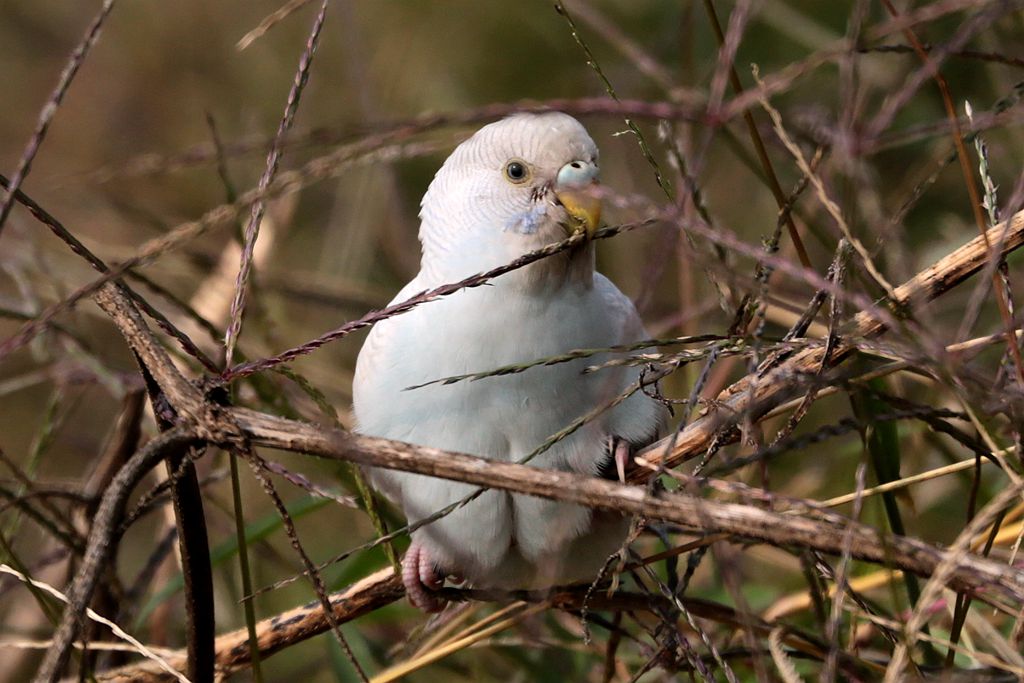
620, 310
639, 419
542, 525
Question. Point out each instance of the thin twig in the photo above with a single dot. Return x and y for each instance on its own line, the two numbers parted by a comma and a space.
252, 230
92, 34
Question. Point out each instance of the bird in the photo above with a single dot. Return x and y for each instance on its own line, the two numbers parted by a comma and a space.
517, 184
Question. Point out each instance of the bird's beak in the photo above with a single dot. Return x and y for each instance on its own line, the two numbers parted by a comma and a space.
575, 188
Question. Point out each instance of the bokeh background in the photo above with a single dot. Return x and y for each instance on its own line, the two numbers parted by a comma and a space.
131, 154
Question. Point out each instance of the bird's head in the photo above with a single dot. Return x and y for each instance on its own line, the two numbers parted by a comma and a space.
515, 185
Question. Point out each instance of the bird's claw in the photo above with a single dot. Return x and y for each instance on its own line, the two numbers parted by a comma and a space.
422, 578
621, 453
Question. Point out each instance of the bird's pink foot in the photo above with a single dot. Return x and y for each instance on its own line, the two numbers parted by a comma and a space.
422, 577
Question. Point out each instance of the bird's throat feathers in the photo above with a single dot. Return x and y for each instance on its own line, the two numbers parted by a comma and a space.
573, 268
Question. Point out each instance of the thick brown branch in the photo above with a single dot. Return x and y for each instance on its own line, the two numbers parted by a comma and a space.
690, 511
182, 395
282, 630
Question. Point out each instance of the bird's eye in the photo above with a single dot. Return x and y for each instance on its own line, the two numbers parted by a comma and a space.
517, 171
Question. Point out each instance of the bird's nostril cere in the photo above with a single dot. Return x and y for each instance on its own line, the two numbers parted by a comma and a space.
577, 165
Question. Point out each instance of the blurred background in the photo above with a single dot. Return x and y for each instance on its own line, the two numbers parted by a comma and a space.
133, 152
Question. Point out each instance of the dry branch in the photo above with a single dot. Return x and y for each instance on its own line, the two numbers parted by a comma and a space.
195, 415
101, 541
701, 515
282, 630
384, 587
754, 395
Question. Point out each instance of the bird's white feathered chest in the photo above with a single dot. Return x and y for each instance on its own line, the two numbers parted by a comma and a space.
503, 417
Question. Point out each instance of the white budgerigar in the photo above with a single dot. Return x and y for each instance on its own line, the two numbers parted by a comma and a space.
516, 185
